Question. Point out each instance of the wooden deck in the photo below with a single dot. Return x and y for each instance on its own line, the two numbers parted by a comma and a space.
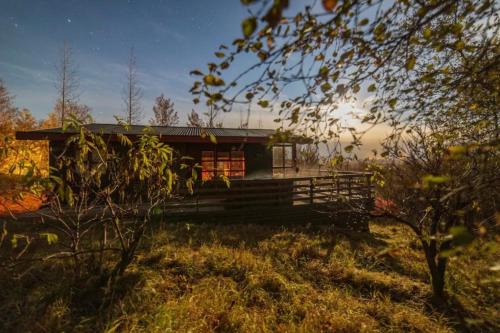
301, 199
273, 198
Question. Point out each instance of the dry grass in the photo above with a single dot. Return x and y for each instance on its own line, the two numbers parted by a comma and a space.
261, 278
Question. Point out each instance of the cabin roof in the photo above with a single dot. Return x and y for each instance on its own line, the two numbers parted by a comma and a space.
168, 133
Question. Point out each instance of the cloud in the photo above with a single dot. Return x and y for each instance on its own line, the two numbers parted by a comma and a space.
26, 73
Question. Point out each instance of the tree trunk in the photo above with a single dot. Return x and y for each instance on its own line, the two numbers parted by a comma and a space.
438, 284
437, 269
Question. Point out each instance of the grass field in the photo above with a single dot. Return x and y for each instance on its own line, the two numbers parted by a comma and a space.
232, 277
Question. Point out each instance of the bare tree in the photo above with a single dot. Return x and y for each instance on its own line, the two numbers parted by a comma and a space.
67, 81
164, 113
132, 93
194, 120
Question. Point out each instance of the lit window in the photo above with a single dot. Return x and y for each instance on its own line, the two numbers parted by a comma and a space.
207, 165
223, 164
231, 165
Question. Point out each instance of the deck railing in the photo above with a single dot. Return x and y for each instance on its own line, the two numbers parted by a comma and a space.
251, 194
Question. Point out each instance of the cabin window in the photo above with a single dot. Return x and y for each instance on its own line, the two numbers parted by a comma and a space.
207, 165
237, 164
283, 159
230, 164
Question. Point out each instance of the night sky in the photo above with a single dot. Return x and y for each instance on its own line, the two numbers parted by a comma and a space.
170, 38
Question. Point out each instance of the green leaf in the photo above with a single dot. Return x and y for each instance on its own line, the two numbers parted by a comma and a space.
68, 196
248, 26
196, 72
213, 139
372, 88
364, 21
410, 62
457, 151
216, 97
124, 140
220, 54
461, 236
379, 32
460, 45
226, 180
427, 32
212, 80
431, 180
51, 237
325, 87
393, 102
323, 71
263, 103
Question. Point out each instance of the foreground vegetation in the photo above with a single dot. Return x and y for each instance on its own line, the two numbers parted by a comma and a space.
234, 277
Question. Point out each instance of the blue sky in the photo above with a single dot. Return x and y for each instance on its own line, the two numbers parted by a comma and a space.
170, 39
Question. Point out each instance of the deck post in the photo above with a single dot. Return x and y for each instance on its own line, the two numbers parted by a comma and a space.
349, 187
197, 201
338, 187
311, 191
369, 198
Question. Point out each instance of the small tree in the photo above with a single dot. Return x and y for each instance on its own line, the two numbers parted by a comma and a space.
308, 155
437, 185
419, 61
101, 198
164, 113
132, 93
13, 152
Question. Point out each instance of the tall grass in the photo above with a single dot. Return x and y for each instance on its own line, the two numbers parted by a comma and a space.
261, 278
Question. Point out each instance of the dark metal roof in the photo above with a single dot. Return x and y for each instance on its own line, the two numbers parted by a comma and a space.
180, 134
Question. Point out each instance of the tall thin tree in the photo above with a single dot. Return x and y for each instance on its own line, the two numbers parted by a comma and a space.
67, 82
132, 93
211, 115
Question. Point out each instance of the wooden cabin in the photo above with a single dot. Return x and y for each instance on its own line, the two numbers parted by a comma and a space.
238, 153
264, 179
